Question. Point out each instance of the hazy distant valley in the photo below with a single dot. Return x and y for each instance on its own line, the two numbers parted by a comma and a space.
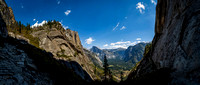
120, 59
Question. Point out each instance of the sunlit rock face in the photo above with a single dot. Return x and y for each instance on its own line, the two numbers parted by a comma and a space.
176, 44
135, 53
65, 45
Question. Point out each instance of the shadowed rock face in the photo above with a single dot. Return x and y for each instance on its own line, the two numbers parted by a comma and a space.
3, 10
176, 44
3, 30
7, 13
16, 67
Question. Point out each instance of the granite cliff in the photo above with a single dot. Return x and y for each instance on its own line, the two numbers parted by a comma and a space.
64, 45
135, 53
48, 54
174, 55
23, 64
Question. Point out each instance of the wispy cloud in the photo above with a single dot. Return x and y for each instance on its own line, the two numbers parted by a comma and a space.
120, 42
116, 26
153, 1
126, 17
34, 19
58, 2
22, 6
123, 27
138, 39
140, 6
39, 24
105, 45
67, 12
89, 40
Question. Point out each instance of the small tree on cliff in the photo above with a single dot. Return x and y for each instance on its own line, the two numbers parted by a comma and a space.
20, 26
122, 74
105, 68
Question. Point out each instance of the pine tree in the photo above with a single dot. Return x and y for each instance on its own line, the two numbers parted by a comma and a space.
122, 74
110, 75
95, 69
20, 27
49, 23
105, 68
28, 28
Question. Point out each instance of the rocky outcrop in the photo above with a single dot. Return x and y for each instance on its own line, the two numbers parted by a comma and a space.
3, 29
24, 64
176, 42
98, 52
64, 45
7, 13
135, 53
93, 57
19, 37
15, 65
17, 68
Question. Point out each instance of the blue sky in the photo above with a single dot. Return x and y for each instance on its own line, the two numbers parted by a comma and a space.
102, 23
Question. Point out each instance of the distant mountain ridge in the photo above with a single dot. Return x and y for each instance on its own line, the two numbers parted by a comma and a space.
132, 54
135, 53
110, 53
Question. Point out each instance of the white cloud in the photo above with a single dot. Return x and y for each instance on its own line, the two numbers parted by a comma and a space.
58, 2
153, 1
121, 44
39, 24
138, 39
89, 40
116, 26
67, 12
105, 45
34, 19
123, 27
126, 17
64, 26
141, 7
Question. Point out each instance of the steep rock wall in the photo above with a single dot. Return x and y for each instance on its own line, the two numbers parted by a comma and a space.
64, 45
176, 44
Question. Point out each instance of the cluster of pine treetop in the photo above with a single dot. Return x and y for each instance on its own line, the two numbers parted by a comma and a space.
108, 77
